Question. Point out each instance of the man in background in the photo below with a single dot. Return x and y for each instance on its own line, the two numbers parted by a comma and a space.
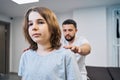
79, 45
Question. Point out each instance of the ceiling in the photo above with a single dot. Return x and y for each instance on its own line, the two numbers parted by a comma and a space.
11, 9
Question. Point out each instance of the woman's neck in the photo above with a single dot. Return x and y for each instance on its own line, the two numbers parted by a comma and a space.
44, 49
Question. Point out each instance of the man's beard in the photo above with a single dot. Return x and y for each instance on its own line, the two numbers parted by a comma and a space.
70, 39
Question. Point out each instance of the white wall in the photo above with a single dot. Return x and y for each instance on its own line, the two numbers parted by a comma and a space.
19, 42
92, 25
64, 16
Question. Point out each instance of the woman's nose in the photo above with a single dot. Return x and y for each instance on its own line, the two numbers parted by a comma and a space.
35, 27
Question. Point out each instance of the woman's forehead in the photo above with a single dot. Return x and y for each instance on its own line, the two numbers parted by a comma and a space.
34, 16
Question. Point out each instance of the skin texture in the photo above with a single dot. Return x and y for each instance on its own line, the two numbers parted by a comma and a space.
39, 33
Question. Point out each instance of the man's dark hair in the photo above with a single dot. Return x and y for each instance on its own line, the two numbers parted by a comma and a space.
70, 21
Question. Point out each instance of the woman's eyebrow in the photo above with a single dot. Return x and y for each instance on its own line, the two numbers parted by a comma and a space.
40, 19
36, 20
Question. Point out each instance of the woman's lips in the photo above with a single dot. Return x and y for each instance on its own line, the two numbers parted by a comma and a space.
36, 34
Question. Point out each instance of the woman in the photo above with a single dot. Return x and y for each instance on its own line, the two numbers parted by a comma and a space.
46, 59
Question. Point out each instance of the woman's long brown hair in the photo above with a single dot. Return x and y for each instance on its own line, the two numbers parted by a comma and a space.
53, 27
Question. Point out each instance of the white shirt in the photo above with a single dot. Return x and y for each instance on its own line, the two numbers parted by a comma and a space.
80, 58
58, 65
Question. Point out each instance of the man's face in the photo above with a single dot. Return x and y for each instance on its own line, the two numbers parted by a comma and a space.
69, 31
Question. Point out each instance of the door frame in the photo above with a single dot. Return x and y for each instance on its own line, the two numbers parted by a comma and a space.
7, 45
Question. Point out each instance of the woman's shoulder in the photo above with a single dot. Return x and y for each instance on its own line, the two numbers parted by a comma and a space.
64, 52
27, 52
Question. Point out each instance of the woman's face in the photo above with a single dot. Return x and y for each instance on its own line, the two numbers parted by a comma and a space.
38, 28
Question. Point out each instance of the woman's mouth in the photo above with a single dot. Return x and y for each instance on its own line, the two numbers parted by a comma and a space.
36, 34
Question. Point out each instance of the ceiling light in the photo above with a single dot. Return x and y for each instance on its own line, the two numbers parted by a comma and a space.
24, 1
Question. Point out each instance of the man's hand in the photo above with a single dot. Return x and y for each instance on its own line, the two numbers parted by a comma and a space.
75, 49
82, 50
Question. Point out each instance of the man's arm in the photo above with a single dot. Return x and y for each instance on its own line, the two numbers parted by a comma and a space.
84, 49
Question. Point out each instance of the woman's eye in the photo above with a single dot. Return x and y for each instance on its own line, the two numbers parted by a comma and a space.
40, 22
64, 30
30, 24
